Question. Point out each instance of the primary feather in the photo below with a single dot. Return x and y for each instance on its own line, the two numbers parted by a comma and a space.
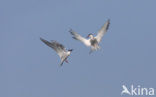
102, 31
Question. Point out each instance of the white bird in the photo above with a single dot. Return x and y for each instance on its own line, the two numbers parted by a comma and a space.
60, 50
92, 42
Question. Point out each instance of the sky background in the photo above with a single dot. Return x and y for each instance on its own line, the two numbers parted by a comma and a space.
29, 68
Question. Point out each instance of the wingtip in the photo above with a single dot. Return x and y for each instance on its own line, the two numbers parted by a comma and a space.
108, 24
41, 39
74, 38
70, 30
72, 33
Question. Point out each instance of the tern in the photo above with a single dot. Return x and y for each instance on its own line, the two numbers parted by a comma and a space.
92, 42
60, 50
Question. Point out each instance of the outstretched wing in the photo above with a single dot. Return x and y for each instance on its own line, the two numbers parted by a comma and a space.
80, 38
59, 48
102, 31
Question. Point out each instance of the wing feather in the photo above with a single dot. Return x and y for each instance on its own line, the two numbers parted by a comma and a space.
102, 31
76, 36
59, 48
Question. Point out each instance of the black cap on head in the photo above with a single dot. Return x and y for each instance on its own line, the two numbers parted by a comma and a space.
70, 50
89, 35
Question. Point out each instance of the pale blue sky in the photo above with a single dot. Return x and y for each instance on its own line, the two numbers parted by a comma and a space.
29, 68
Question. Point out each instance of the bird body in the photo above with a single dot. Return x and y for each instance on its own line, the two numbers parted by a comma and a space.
92, 42
59, 48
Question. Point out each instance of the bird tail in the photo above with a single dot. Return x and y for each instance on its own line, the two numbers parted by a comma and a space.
94, 49
91, 50
62, 61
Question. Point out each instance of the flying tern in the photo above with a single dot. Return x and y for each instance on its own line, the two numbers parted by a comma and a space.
92, 42
60, 50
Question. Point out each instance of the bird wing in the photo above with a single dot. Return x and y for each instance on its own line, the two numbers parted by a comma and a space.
59, 48
102, 31
80, 38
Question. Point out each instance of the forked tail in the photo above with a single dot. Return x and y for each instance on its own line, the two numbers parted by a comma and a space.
94, 49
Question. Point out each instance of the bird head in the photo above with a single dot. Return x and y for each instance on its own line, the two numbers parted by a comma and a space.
90, 35
70, 50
